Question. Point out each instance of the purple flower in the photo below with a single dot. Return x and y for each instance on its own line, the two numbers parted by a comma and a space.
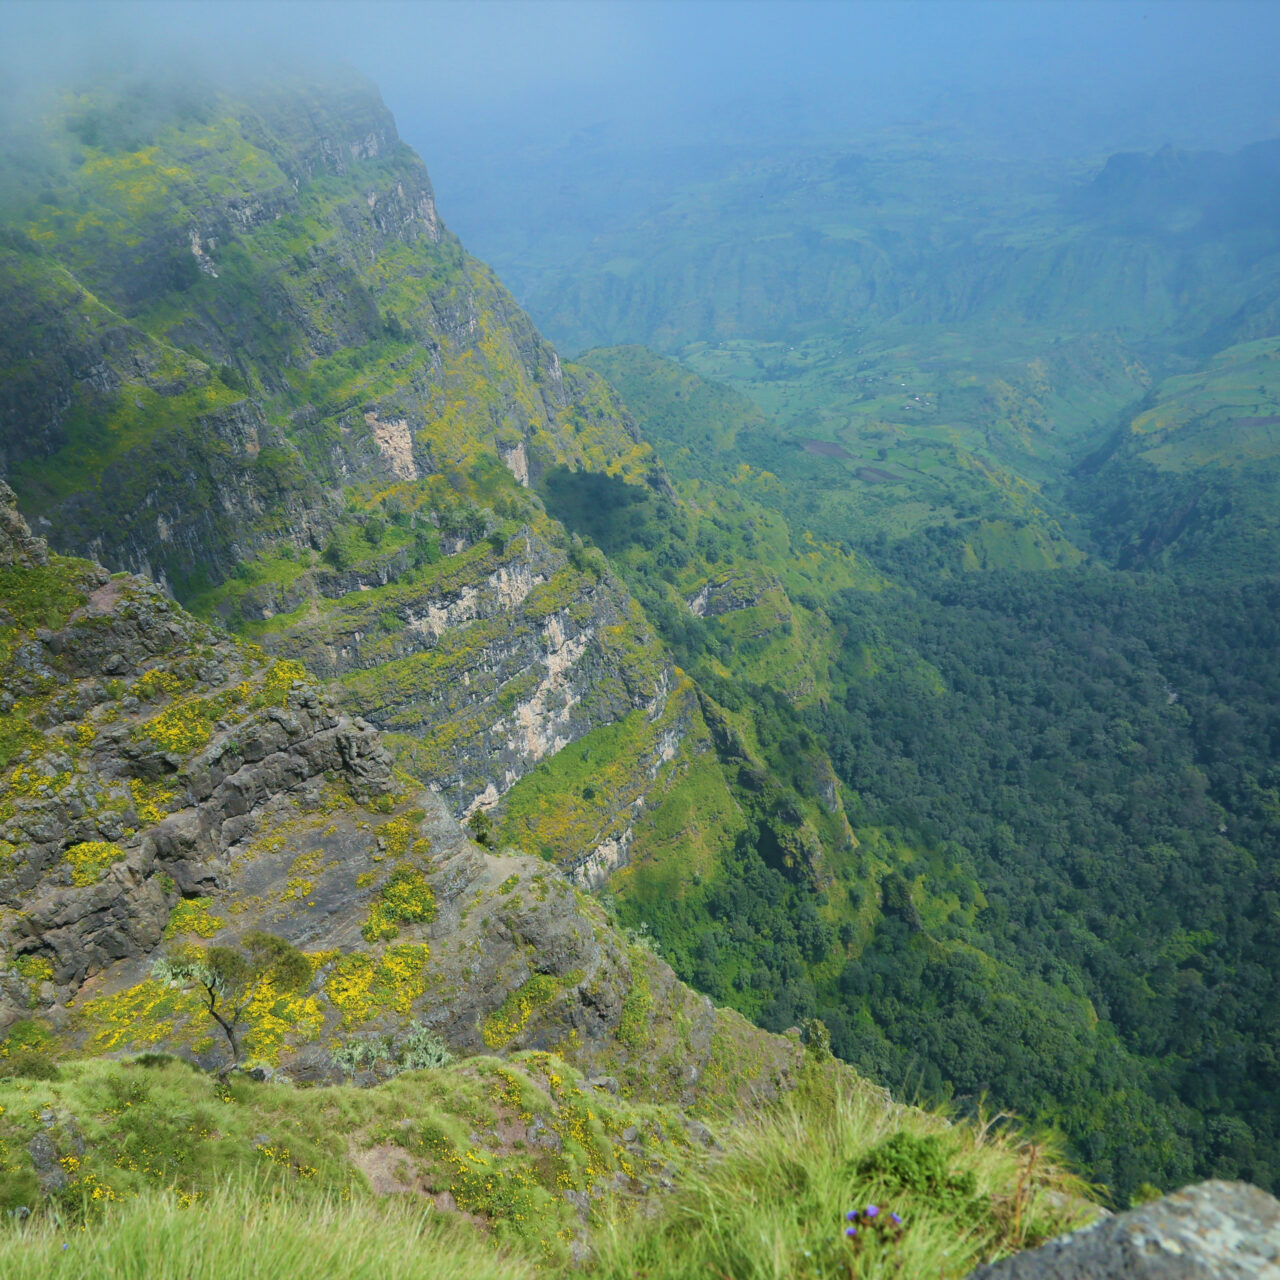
851, 1216
897, 1221
872, 1210
851, 1231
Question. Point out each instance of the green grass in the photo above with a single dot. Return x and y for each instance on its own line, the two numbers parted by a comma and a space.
772, 1206
1222, 415
243, 1231
42, 595
922, 429
573, 800
1191, 482
767, 1202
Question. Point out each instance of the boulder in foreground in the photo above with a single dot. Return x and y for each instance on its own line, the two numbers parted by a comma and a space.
1213, 1231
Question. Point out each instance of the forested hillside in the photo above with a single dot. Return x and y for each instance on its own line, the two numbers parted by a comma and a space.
899, 654
1056, 722
1062, 786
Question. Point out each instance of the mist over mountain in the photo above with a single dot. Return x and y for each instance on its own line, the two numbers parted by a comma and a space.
509, 100
769, 552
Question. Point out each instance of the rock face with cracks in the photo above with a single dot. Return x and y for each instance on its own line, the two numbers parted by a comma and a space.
163, 786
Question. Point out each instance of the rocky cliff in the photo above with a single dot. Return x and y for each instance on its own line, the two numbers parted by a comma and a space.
163, 784
1213, 1231
249, 360
269, 378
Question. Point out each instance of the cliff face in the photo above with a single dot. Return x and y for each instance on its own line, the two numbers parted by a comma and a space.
244, 357
161, 784
483, 663
265, 282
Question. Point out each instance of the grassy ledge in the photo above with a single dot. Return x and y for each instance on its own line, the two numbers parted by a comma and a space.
500, 1168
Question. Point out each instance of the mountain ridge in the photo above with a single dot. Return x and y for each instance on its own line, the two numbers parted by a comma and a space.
776, 676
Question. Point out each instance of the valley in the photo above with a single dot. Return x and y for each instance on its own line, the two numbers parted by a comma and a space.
1066, 487
865, 644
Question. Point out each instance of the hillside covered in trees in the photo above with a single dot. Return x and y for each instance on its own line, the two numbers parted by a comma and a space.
897, 650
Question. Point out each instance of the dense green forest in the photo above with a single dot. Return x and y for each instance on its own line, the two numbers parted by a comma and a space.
1064, 789
1095, 754
1056, 725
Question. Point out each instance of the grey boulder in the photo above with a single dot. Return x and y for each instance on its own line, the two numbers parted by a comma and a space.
1213, 1231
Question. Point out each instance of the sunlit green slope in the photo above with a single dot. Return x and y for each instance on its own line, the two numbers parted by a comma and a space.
1192, 481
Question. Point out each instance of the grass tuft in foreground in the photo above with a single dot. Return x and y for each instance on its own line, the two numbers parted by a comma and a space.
780, 1202
247, 1232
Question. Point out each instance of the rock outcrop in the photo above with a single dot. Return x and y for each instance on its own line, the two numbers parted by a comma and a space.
17, 546
162, 785
1213, 1231
487, 663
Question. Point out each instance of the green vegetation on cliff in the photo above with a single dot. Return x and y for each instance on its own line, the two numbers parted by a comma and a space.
150, 1168
1035, 770
142, 1158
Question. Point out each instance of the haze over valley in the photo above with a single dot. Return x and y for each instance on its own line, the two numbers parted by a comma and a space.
747, 594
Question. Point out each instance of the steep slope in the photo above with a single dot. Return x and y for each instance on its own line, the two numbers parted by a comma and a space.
1191, 481
330, 318
1016, 753
243, 355
163, 784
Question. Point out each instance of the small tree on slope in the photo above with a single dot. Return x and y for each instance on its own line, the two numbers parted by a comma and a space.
231, 978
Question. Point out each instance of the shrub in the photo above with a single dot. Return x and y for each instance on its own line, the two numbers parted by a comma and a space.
909, 1162
30, 1064
424, 1050
231, 978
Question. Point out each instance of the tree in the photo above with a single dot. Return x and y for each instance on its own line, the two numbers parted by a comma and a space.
480, 824
231, 978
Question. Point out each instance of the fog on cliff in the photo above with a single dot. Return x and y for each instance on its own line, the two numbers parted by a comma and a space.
501, 94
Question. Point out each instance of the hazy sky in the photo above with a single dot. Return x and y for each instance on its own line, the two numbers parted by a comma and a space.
491, 53
454, 57
474, 83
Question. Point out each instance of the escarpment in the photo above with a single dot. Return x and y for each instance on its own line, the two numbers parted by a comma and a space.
311, 418
282, 390
164, 785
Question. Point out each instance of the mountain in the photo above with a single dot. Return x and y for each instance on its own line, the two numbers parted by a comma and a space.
912, 227
269, 378
863, 661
